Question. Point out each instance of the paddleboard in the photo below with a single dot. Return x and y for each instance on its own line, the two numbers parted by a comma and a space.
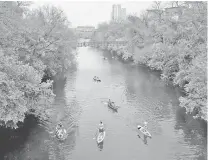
144, 131
100, 137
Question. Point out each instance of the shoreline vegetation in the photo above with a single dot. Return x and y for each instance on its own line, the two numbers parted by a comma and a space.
35, 46
171, 38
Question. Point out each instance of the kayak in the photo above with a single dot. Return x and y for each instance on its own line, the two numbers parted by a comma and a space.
112, 106
100, 137
144, 131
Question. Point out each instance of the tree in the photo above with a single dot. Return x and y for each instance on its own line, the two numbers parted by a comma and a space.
53, 37
157, 5
176, 46
31, 42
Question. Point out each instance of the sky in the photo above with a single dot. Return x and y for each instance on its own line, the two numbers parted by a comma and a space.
91, 13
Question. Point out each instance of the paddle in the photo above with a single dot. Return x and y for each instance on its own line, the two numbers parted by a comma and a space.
54, 135
118, 106
105, 103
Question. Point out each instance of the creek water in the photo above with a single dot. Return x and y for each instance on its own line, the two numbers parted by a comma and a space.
80, 104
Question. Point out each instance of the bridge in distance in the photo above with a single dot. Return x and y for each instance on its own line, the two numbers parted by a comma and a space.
101, 43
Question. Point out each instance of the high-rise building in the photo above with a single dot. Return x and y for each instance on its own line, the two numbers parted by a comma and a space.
118, 13
123, 13
113, 13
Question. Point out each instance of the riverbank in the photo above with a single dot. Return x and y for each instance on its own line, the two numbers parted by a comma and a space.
32, 53
176, 47
146, 60
16, 140
80, 104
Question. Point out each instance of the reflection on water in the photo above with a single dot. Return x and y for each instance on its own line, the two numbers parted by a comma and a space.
100, 145
67, 112
80, 104
144, 139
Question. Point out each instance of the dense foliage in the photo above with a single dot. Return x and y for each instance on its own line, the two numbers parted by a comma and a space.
170, 37
32, 42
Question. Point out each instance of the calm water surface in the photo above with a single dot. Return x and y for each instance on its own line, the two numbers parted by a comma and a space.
80, 104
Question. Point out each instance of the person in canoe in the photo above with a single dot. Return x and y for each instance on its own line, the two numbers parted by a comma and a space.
111, 103
98, 79
94, 78
59, 128
60, 131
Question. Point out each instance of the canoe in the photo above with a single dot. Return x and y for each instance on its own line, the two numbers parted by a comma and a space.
112, 106
100, 137
144, 131
61, 136
96, 79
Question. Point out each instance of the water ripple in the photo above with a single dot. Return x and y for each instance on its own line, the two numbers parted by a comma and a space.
80, 104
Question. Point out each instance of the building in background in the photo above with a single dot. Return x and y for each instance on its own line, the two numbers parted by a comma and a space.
118, 14
123, 13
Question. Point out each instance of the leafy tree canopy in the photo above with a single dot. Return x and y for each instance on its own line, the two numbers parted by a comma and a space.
31, 42
172, 37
